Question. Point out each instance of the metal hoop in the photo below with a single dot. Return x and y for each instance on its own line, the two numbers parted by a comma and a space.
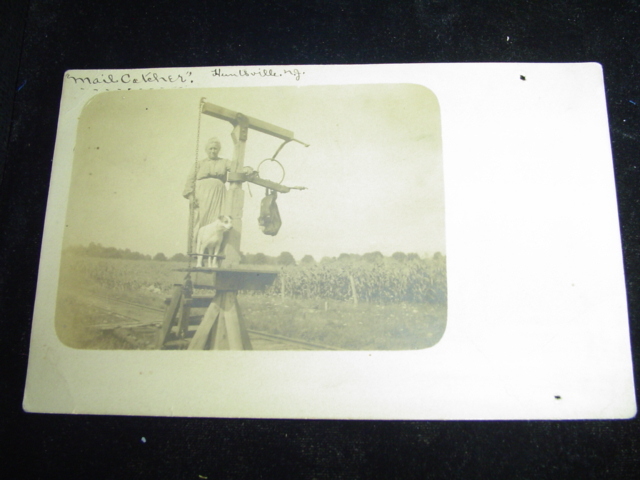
272, 160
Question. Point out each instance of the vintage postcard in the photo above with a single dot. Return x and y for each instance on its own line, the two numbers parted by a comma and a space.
365, 241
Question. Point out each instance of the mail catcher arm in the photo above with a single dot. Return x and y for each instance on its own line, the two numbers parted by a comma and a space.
255, 124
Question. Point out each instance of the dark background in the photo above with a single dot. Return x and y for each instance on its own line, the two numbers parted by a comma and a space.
40, 39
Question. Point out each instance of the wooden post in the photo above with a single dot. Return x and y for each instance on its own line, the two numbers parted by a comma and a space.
234, 202
354, 293
222, 327
282, 287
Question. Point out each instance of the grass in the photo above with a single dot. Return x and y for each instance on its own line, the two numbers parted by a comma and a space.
366, 326
342, 324
74, 322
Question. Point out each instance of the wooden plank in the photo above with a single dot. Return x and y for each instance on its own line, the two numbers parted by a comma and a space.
237, 268
170, 315
201, 337
254, 123
185, 311
234, 281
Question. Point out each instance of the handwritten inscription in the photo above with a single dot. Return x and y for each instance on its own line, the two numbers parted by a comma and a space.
131, 78
151, 78
258, 72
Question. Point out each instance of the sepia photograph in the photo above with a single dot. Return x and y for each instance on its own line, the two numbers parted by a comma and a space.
255, 218
359, 241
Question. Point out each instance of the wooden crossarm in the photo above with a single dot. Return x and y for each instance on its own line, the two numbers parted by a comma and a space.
255, 124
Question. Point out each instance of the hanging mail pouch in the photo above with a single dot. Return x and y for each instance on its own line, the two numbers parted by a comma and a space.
269, 219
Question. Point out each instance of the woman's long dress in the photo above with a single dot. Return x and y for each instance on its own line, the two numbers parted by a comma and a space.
210, 191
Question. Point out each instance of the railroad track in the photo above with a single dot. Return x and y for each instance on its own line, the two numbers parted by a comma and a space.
261, 340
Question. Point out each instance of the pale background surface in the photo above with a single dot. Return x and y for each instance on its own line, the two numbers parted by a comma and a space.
534, 313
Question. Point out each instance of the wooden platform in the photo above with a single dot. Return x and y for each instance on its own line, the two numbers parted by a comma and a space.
231, 279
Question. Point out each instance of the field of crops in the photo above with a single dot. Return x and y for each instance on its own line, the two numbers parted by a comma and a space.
353, 305
383, 282
124, 278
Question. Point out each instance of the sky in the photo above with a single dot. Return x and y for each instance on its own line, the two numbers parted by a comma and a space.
373, 168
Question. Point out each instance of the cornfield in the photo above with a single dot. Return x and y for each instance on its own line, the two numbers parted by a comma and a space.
384, 282
417, 281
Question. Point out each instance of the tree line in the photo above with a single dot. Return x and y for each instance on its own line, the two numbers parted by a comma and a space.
284, 259
97, 250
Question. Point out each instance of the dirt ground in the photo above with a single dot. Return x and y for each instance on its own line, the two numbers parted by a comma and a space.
366, 326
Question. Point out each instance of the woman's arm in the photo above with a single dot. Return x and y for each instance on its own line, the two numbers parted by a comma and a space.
190, 184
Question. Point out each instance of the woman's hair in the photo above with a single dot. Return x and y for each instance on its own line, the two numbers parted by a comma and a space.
213, 140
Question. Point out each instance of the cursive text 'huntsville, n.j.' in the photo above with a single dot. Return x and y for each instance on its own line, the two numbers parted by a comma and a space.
257, 72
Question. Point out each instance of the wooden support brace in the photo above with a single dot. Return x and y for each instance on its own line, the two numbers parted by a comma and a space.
170, 315
183, 324
232, 321
202, 336
219, 339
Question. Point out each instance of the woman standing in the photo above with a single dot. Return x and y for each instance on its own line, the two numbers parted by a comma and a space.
205, 187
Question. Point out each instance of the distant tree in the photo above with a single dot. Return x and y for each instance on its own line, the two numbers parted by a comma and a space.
307, 260
97, 250
179, 257
399, 256
260, 259
327, 260
437, 256
413, 257
373, 257
94, 249
344, 257
129, 255
160, 257
285, 258
111, 252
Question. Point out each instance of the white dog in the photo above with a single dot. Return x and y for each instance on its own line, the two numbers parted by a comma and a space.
210, 239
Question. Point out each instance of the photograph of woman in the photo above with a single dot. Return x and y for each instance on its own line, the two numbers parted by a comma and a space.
205, 187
